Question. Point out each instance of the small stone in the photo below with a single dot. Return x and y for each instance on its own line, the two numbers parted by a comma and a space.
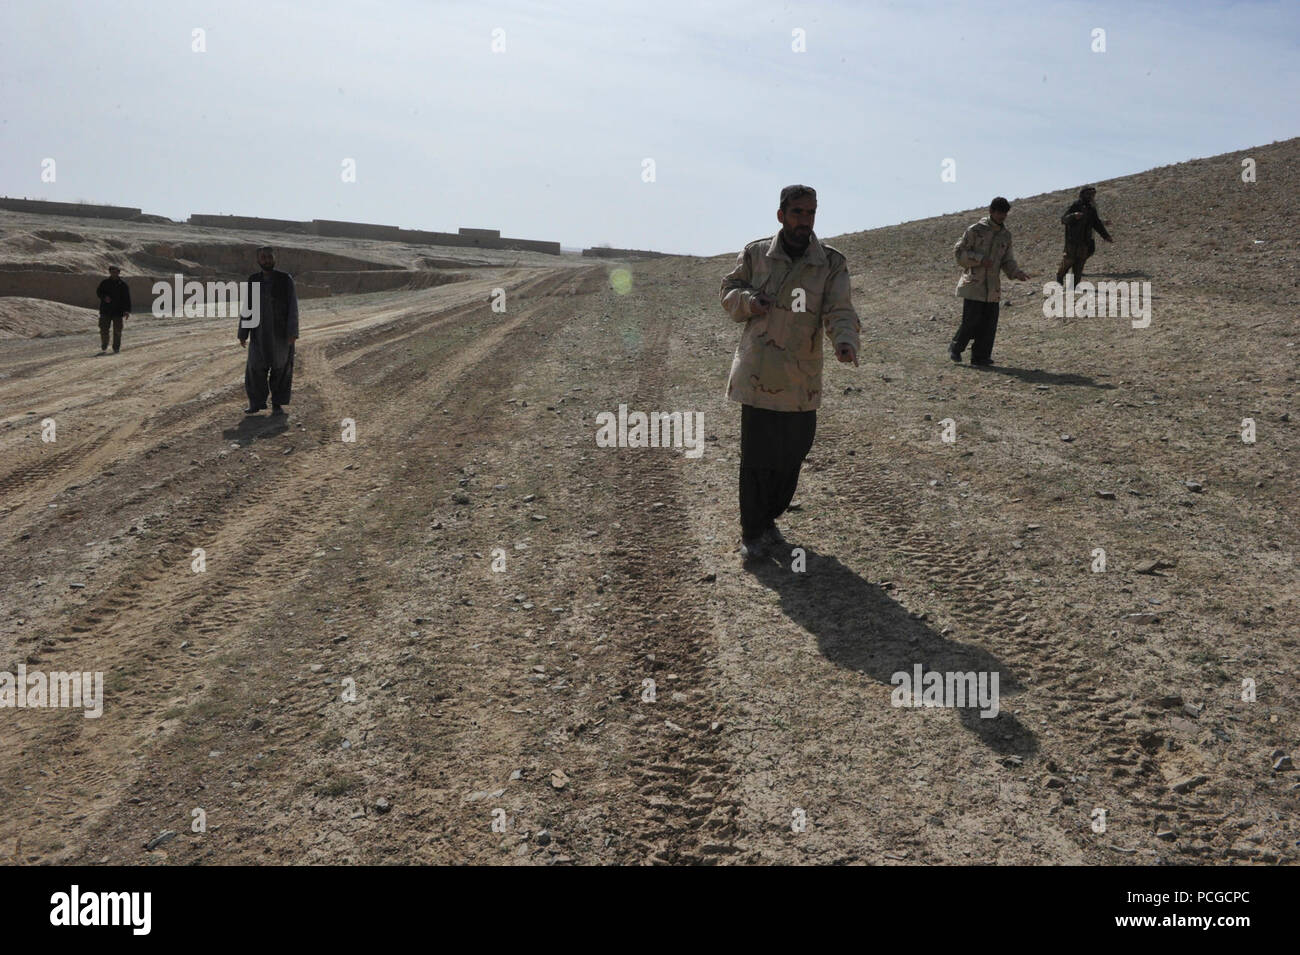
529, 498
1053, 782
460, 497
1194, 486
1193, 710
1067, 438
382, 805
543, 838
558, 778
1106, 495
1168, 835
1283, 765
1190, 783
167, 835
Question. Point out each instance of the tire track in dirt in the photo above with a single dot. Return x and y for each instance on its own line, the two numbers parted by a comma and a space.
684, 779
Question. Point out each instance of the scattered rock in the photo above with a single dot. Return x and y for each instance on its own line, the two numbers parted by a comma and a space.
1190, 783
558, 778
543, 838
1106, 495
382, 805
167, 835
1067, 438
1283, 765
1194, 486
460, 497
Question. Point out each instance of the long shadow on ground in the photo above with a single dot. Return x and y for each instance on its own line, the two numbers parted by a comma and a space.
1037, 376
860, 627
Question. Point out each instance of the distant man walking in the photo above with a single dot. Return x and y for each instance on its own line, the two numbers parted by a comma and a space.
982, 252
114, 308
1079, 221
788, 289
270, 344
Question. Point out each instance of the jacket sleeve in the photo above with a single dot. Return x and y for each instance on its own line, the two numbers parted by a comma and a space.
737, 293
1065, 219
99, 291
963, 251
1097, 224
293, 309
1009, 264
839, 318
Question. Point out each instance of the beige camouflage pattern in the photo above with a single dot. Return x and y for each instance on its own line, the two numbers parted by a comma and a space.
778, 363
984, 240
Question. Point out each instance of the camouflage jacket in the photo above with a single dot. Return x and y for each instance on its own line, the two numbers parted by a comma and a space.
778, 363
984, 240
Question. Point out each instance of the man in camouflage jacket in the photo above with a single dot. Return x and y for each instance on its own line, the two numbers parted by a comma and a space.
982, 252
789, 290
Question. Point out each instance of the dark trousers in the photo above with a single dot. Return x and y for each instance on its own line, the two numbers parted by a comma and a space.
1072, 260
979, 321
256, 376
114, 322
773, 445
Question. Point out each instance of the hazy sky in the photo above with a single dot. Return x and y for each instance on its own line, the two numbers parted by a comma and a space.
547, 139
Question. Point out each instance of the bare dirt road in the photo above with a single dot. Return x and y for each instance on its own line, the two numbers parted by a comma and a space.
350, 680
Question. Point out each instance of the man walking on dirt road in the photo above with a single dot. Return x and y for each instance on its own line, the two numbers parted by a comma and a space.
982, 251
114, 308
789, 290
1080, 220
270, 352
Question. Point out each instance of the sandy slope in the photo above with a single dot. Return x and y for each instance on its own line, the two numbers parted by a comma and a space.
334, 566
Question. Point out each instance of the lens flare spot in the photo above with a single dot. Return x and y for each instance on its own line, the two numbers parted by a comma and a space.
620, 280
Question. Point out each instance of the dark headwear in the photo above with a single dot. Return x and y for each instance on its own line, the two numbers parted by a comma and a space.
999, 205
1087, 189
790, 193
114, 268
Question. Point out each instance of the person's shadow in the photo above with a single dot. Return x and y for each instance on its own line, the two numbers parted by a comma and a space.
1037, 376
860, 627
256, 427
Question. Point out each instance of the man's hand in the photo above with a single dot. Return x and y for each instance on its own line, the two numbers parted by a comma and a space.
760, 303
125, 316
1022, 276
846, 354
986, 263
292, 340
1076, 215
243, 343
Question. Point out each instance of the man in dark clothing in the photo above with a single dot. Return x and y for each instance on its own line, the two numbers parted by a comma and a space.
1079, 221
270, 352
114, 308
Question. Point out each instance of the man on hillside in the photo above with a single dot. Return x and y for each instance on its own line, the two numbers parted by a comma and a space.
114, 308
789, 289
1079, 221
982, 252
270, 344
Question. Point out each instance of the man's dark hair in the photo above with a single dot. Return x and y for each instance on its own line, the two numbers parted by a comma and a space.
114, 268
1085, 190
790, 193
999, 205
265, 248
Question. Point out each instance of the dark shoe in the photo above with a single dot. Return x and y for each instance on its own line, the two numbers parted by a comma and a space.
276, 409
982, 362
752, 548
253, 410
954, 354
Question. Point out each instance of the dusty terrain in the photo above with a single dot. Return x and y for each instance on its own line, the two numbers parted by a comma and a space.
364, 569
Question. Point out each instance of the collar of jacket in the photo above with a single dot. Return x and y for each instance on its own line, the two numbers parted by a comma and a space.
815, 254
988, 221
